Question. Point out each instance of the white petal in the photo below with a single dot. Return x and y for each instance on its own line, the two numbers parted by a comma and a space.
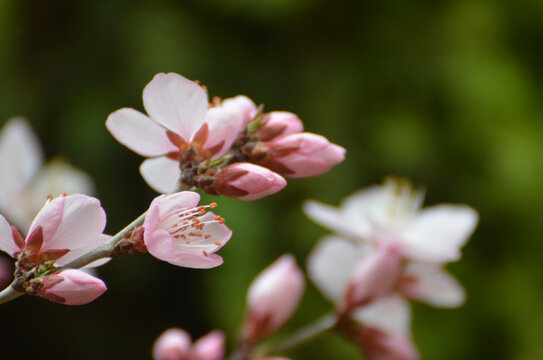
391, 314
161, 173
20, 159
176, 102
7, 244
139, 133
330, 265
224, 126
212, 237
438, 232
334, 219
56, 177
434, 286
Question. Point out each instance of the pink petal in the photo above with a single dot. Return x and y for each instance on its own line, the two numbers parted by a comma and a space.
243, 106
209, 347
7, 244
213, 237
390, 314
161, 173
77, 252
433, 285
176, 103
161, 247
438, 233
80, 228
20, 159
172, 344
178, 201
330, 265
139, 133
224, 126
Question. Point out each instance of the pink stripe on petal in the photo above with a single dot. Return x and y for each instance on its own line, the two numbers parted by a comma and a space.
139, 133
49, 218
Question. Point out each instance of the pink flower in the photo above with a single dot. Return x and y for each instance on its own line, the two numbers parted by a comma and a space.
64, 229
273, 297
302, 155
25, 183
180, 232
71, 287
175, 344
247, 181
178, 120
381, 345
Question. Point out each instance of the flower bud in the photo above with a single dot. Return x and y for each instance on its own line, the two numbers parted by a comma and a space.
380, 345
247, 181
279, 123
72, 287
302, 155
242, 105
374, 276
6, 272
209, 347
172, 344
273, 297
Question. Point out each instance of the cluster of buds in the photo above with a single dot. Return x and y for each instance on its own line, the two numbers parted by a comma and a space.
389, 251
272, 298
225, 147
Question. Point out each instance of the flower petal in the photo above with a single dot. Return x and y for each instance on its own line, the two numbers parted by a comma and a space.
224, 126
161, 247
390, 314
176, 102
210, 346
335, 219
330, 265
172, 344
161, 173
73, 222
20, 159
438, 232
433, 285
175, 202
7, 244
139, 133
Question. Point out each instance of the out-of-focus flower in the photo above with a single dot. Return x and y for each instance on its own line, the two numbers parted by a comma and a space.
64, 229
179, 124
176, 344
301, 155
182, 233
25, 184
377, 344
71, 287
247, 181
392, 212
6, 272
273, 297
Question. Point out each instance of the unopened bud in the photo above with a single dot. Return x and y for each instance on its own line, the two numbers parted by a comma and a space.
247, 181
72, 287
273, 297
377, 344
209, 347
172, 344
302, 155
279, 123
374, 276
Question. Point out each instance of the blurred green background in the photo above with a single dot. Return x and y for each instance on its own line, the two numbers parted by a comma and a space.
447, 93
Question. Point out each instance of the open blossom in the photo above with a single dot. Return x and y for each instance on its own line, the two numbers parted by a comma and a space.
273, 297
178, 120
71, 287
182, 233
25, 182
64, 229
176, 344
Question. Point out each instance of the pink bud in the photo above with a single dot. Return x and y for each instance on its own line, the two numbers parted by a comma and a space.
72, 287
273, 297
242, 105
172, 344
374, 276
247, 181
6, 272
302, 155
209, 347
380, 345
279, 123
